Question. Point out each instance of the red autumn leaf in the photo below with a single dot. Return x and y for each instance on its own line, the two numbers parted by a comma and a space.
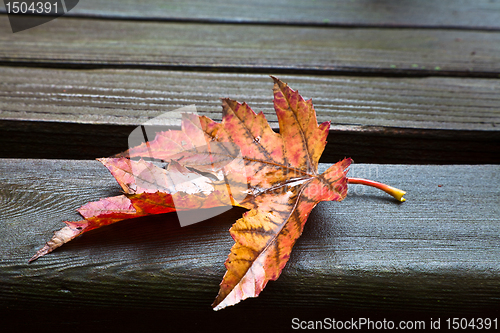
240, 162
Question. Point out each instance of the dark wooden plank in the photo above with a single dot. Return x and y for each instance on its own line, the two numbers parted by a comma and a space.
50, 113
269, 49
422, 13
435, 254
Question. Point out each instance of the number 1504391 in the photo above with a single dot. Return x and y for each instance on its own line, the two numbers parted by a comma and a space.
32, 7
474, 323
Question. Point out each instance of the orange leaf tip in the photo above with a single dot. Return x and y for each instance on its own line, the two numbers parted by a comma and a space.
395, 192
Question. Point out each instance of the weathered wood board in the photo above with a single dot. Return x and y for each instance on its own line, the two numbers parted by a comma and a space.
82, 114
88, 43
401, 81
132, 97
471, 14
436, 253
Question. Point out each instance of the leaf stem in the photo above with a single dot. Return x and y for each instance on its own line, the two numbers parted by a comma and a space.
395, 192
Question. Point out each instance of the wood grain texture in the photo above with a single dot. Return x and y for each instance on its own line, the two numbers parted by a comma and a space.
434, 256
132, 97
444, 13
104, 43
76, 114
436, 253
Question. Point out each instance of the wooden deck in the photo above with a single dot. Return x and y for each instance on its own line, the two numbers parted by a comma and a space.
412, 91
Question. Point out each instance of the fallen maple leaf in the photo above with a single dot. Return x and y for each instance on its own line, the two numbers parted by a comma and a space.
239, 162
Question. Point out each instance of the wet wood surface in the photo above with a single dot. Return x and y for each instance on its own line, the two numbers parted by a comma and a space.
101, 43
481, 14
445, 14
132, 97
411, 89
89, 114
436, 253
